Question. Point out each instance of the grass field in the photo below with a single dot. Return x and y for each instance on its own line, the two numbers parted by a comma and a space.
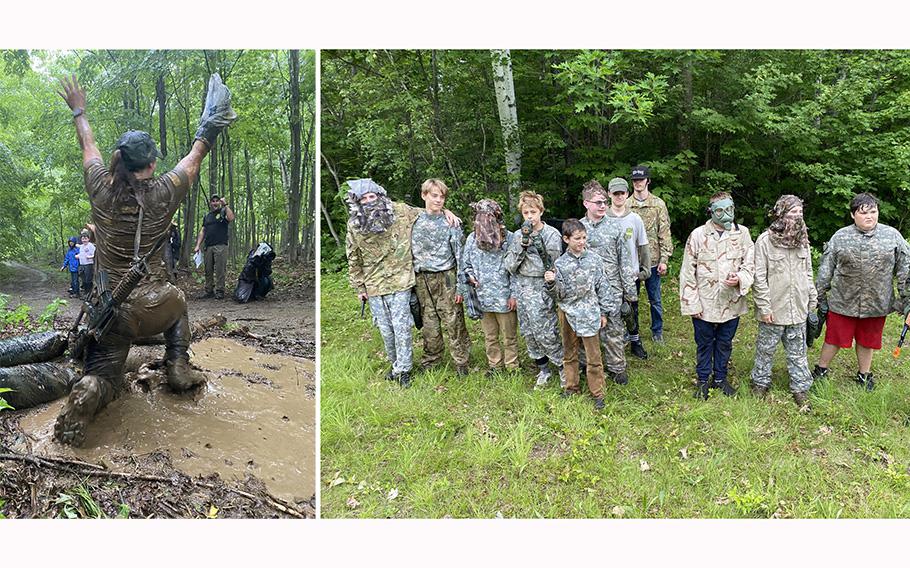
479, 447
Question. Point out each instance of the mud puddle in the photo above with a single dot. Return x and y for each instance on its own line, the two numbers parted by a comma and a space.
254, 416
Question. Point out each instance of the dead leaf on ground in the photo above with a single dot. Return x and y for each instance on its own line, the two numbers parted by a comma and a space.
644, 465
684, 453
618, 511
393, 494
722, 501
353, 503
440, 424
337, 481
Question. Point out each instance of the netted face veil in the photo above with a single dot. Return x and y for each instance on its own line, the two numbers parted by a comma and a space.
788, 230
488, 228
373, 217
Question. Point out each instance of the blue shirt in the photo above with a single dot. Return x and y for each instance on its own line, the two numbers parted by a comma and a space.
70, 259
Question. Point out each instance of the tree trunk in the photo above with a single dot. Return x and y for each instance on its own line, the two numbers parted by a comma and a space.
293, 229
162, 112
232, 233
249, 199
325, 213
685, 135
508, 118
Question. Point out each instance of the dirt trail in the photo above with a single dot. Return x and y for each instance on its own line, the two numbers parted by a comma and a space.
252, 428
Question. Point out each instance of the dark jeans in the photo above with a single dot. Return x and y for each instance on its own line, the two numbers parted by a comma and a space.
714, 343
87, 273
74, 282
652, 285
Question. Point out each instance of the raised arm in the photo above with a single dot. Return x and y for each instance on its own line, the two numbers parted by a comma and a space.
74, 95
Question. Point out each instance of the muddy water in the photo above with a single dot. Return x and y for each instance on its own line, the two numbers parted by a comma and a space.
254, 416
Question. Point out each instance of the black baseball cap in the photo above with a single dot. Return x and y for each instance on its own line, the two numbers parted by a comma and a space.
641, 172
214, 197
137, 149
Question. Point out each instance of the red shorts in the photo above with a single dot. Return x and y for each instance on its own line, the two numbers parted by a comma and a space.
841, 330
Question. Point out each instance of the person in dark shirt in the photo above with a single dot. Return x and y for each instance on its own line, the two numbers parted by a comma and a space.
215, 234
131, 212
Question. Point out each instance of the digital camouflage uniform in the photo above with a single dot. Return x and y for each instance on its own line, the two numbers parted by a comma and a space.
537, 316
381, 266
605, 240
437, 252
784, 289
583, 295
857, 272
494, 288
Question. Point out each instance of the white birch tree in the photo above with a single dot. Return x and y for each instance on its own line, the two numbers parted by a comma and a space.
508, 119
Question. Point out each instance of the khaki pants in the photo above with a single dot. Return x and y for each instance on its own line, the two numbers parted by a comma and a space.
215, 262
492, 323
436, 292
595, 369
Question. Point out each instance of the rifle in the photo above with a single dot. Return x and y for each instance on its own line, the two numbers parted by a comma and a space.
526, 229
102, 312
900, 342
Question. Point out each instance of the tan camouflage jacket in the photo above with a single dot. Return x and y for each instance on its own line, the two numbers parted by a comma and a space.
784, 286
381, 263
653, 211
707, 260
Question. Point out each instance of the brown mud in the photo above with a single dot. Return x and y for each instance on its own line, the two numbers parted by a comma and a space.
243, 446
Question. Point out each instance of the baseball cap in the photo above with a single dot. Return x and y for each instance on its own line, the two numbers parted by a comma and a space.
214, 197
641, 172
137, 149
618, 184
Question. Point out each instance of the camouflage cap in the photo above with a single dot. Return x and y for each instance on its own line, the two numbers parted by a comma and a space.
618, 184
357, 188
137, 149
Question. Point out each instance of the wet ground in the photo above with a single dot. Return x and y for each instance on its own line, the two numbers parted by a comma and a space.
243, 446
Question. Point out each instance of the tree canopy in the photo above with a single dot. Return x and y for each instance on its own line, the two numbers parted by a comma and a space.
822, 125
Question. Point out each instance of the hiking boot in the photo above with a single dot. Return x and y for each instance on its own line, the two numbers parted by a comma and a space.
702, 390
659, 339
390, 376
462, 371
725, 387
542, 377
427, 367
599, 403
404, 379
759, 391
219, 295
866, 380
802, 400
181, 376
639, 350
819, 372
621, 378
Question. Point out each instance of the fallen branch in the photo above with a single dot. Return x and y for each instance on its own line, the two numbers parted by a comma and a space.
98, 471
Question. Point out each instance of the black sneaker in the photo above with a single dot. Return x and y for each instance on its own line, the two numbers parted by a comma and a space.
462, 371
702, 391
390, 376
599, 403
866, 380
621, 378
219, 295
725, 388
404, 379
819, 372
639, 350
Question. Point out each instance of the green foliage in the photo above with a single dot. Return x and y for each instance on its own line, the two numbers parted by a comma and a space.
79, 504
749, 503
3, 404
18, 316
2, 503
50, 313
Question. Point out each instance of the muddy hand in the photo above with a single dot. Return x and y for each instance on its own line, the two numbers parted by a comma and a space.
72, 93
84, 401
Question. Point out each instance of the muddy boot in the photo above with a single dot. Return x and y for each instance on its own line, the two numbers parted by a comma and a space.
88, 396
639, 350
180, 376
866, 380
802, 401
404, 379
725, 387
621, 378
702, 390
759, 391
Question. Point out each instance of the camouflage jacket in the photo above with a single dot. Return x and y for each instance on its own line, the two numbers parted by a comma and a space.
708, 259
857, 271
582, 292
527, 262
783, 285
435, 245
494, 283
653, 211
605, 239
381, 263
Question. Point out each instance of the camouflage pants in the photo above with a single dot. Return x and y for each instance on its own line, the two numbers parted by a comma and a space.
537, 320
612, 339
392, 315
794, 340
436, 292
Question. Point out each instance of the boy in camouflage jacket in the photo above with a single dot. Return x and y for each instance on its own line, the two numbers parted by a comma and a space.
585, 300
